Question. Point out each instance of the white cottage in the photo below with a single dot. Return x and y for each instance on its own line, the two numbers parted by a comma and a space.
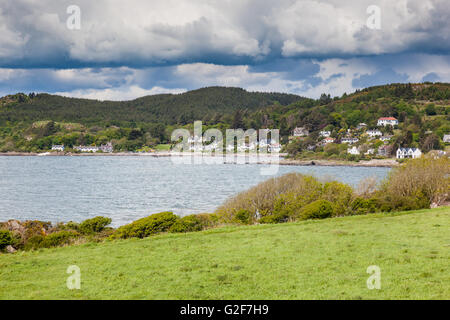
57, 147
387, 121
446, 138
353, 151
413, 153
325, 134
374, 133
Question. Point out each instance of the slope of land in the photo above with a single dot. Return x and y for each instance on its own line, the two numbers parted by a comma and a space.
161, 108
325, 259
34, 123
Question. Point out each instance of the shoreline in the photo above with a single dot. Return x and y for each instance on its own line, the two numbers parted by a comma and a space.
266, 159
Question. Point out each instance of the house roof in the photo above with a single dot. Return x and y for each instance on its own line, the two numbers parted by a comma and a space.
408, 149
387, 118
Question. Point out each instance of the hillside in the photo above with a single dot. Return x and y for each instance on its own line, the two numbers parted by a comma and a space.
317, 259
162, 108
33, 123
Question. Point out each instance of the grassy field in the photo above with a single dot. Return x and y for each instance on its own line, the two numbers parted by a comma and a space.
324, 259
162, 147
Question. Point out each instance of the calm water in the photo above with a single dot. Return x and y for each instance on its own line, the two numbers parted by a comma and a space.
128, 188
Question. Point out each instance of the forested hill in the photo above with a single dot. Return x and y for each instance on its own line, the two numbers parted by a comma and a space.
30, 122
163, 108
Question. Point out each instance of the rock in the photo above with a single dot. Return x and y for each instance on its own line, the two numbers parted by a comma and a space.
10, 249
14, 225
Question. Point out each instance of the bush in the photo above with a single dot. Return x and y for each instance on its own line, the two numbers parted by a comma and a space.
274, 218
364, 206
187, 224
319, 209
94, 225
52, 240
261, 199
58, 239
418, 178
68, 226
389, 202
340, 195
6, 239
243, 217
145, 227
34, 242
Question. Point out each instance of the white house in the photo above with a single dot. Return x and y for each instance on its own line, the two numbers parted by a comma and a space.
58, 147
349, 140
374, 133
387, 121
325, 133
327, 140
446, 138
353, 151
300, 132
413, 153
87, 148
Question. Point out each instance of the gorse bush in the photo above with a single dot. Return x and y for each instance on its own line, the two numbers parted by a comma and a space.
156, 223
189, 223
319, 209
363, 206
243, 217
94, 225
52, 240
6, 239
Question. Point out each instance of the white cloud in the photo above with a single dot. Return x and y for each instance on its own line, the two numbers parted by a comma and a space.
146, 33
118, 94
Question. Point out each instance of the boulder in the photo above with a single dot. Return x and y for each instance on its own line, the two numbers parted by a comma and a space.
10, 249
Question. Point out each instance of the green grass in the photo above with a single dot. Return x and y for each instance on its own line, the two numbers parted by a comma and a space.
324, 259
162, 147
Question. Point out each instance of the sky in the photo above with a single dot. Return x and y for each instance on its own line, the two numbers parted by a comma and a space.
121, 50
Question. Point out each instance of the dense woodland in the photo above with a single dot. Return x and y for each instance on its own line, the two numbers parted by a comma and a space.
34, 122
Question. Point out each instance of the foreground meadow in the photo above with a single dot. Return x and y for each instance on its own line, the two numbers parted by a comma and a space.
316, 259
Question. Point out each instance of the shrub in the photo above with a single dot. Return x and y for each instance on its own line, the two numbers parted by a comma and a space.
145, 227
55, 239
58, 239
274, 218
288, 206
34, 242
187, 224
208, 220
68, 226
243, 217
94, 225
364, 206
389, 202
6, 239
340, 195
319, 209
261, 199
417, 178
